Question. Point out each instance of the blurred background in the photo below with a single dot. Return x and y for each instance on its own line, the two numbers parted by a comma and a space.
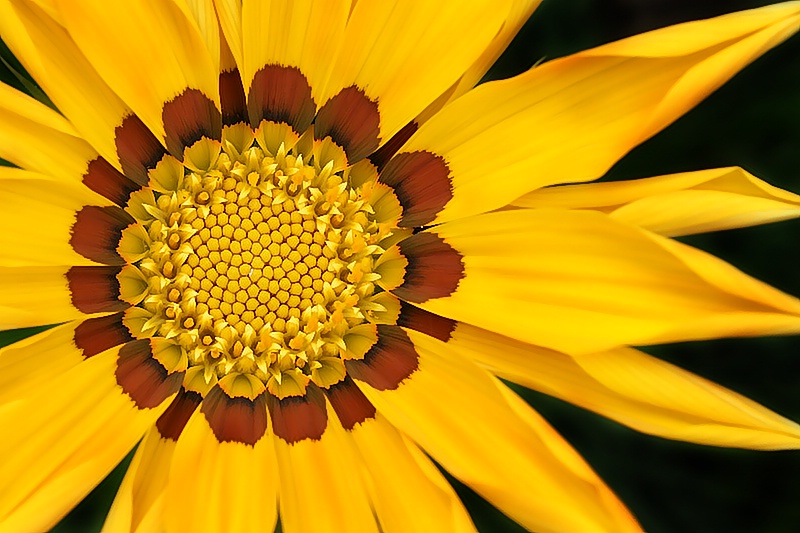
753, 122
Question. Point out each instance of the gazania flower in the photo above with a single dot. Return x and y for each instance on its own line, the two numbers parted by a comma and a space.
291, 254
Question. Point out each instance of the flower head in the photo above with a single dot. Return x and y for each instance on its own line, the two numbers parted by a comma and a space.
292, 253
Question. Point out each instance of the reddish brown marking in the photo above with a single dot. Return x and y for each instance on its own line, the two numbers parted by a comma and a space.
104, 179
434, 268
95, 289
431, 324
137, 148
235, 419
189, 117
422, 183
387, 151
143, 378
297, 418
391, 360
171, 423
352, 120
96, 335
97, 231
232, 98
350, 404
281, 94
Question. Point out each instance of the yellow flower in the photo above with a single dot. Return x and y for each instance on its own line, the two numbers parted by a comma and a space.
293, 251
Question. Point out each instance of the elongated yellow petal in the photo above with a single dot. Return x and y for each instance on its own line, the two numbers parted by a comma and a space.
62, 443
229, 13
205, 16
580, 282
301, 33
634, 389
38, 215
37, 138
457, 412
147, 51
570, 119
404, 54
408, 492
35, 296
43, 45
139, 504
324, 474
29, 366
518, 15
215, 486
678, 204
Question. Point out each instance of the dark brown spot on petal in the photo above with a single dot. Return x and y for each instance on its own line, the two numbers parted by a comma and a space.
171, 423
434, 268
350, 404
391, 360
236, 419
431, 324
387, 151
422, 183
96, 335
297, 418
189, 117
96, 233
95, 289
352, 120
281, 94
137, 148
104, 179
143, 378
232, 98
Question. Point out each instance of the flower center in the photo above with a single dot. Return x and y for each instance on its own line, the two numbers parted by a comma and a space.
256, 259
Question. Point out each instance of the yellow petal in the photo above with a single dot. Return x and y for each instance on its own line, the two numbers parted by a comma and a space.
51, 56
320, 484
38, 215
215, 486
634, 389
35, 296
139, 504
678, 204
404, 54
488, 438
147, 51
36, 138
205, 17
64, 442
408, 492
29, 366
518, 15
230, 21
300, 34
580, 282
571, 119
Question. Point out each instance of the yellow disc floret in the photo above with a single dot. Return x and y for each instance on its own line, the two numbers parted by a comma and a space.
259, 256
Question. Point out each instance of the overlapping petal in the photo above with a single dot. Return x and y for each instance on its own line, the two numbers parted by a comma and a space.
36, 138
457, 412
678, 204
169, 57
634, 389
581, 282
35, 33
570, 119
50, 460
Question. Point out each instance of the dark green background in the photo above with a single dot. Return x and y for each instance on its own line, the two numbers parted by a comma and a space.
754, 122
